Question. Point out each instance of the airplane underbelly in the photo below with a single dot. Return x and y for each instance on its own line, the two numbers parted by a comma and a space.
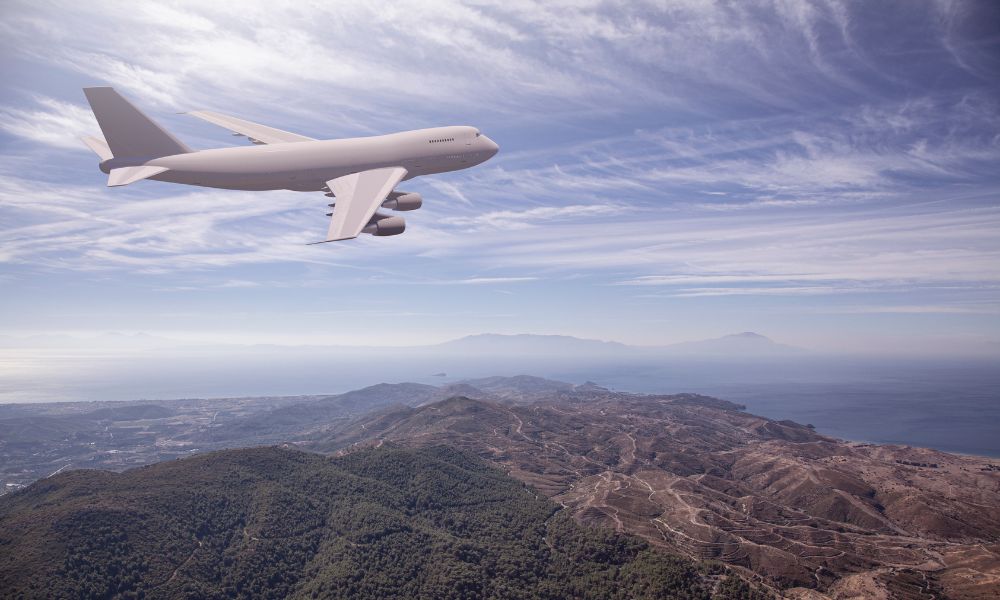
282, 167
252, 177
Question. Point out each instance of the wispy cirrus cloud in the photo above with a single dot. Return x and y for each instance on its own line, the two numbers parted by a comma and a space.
702, 292
90, 230
513, 55
531, 217
923, 247
654, 154
482, 281
50, 122
918, 309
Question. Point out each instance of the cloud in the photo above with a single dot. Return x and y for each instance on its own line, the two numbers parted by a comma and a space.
490, 280
85, 229
451, 190
513, 55
921, 309
780, 152
51, 122
484, 280
761, 203
758, 291
532, 217
239, 283
930, 246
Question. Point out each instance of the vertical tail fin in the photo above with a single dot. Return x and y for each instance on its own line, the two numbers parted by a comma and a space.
129, 132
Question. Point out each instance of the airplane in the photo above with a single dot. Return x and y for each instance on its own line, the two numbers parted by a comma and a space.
360, 174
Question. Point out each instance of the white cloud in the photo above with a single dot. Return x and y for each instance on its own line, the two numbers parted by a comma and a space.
377, 58
450, 189
790, 164
918, 309
820, 290
51, 122
523, 219
82, 228
485, 280
799, 251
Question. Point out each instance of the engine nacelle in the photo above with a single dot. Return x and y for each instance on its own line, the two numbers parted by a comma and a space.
403, 201
386, 226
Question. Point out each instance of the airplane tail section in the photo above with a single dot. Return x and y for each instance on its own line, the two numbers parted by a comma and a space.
128, 131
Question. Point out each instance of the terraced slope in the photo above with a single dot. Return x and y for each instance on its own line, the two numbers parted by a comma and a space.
700, 476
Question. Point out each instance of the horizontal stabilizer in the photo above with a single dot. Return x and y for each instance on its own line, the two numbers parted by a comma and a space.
100, 147
127, 175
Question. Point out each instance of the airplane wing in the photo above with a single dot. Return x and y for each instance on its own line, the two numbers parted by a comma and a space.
358, 196
258, 134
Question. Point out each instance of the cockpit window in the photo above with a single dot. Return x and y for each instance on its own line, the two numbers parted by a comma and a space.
478, 134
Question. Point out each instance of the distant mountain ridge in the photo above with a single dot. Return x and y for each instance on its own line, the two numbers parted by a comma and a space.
527, 343
739, 345
501, 345
746, 344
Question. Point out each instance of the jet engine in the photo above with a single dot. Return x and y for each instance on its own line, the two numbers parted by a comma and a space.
403, 201
382, 225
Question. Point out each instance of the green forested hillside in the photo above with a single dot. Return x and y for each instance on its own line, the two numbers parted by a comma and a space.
273, 522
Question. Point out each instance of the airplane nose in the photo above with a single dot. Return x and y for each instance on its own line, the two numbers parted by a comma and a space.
492, 146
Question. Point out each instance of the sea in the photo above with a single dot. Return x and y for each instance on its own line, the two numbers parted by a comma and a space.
950, 405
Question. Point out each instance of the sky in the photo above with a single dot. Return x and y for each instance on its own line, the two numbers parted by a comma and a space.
825, 173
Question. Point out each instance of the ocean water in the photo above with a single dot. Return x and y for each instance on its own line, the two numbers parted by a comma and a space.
961, 419
948, 405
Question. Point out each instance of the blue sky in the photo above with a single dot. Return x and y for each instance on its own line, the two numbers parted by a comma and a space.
826, 173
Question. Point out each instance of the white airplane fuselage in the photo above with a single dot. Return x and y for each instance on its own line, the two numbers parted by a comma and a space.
307, 166
361, 174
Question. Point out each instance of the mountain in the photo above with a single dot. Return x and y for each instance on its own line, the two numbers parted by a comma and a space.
520, 388
313, 412
701, 477
529, 344
37, 440
744, 345
279, 523
739, 345
693, 474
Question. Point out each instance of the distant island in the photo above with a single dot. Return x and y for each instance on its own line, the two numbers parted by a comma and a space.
746, 344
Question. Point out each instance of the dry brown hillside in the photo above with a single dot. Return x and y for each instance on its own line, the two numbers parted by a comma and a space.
701, 476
